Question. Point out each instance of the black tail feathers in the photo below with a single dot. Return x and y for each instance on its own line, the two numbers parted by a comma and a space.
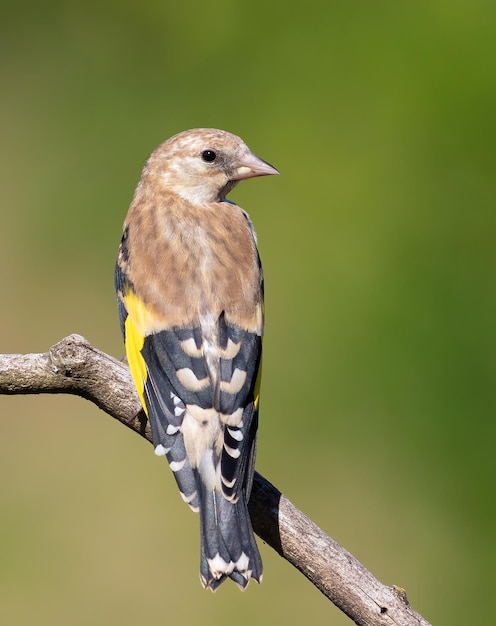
228, 547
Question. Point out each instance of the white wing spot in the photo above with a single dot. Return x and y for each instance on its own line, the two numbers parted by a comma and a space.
231, 350
236, 383
171, 430
235, 434
189, 499
179, 410
234, 452
228, 483
177, 465
188, 379
189, 347
175, 399
235, 419
160, 450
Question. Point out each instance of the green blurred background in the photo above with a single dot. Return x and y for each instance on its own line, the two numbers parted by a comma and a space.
378, 400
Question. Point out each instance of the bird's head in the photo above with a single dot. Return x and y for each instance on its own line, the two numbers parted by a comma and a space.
202, 165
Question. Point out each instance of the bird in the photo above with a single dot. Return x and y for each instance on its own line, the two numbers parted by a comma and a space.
190, 292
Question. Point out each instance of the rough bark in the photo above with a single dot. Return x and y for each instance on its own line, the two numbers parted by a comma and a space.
74, 366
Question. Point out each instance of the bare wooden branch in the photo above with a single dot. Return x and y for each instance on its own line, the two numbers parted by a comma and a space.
74, 366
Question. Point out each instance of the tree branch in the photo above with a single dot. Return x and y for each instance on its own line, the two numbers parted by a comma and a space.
74, 366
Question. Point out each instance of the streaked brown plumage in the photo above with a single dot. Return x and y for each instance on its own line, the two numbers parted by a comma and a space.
190, 290
226, 278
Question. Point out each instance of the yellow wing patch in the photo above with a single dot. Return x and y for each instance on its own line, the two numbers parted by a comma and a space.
136, 322
257, 386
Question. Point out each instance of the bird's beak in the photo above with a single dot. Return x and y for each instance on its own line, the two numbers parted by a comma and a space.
250, 166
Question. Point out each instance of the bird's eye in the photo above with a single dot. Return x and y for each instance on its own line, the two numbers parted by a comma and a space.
208, 156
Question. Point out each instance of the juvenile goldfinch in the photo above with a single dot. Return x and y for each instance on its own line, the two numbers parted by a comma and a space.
190, 292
